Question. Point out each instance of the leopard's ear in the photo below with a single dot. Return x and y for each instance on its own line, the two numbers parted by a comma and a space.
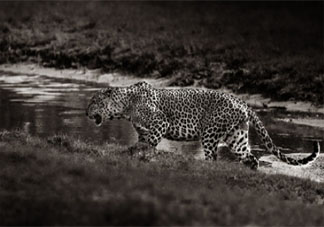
143, 84
106, 91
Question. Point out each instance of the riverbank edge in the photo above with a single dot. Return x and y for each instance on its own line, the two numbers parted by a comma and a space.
116, 79
269, 164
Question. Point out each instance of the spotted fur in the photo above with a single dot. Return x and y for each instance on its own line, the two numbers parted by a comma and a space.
187, 114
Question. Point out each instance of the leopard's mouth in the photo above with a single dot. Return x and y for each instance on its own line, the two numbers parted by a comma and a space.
98, 119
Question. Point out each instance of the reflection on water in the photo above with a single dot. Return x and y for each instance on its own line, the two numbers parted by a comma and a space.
46, 106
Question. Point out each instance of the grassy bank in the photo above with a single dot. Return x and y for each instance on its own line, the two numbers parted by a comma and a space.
271, 48
65, 181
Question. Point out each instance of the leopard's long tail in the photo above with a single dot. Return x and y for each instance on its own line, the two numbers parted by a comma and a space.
267, 141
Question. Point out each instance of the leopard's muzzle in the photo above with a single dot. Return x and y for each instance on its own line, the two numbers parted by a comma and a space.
96, 117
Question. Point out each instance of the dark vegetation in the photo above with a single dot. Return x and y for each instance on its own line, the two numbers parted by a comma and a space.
66, 181
271, 48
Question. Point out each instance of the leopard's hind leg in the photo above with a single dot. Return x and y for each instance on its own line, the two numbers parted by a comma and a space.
238, 142
210, 140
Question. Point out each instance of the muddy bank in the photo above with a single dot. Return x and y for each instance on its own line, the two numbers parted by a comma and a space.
314, 171
275, 49
270, 164
83, 75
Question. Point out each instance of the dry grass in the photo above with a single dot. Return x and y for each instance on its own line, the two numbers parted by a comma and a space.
64, 181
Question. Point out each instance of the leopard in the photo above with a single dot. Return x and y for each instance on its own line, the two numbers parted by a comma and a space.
188, 114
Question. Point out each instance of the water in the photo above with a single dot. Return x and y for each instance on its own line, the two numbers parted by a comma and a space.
46, 106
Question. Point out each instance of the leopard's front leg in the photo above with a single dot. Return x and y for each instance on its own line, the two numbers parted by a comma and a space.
153, 131
149, 135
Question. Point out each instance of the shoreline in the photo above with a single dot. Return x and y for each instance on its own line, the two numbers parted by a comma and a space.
116, 79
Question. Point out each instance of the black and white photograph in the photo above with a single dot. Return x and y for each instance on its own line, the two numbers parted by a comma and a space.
161, 113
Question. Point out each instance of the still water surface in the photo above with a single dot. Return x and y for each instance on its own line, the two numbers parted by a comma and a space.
46, 106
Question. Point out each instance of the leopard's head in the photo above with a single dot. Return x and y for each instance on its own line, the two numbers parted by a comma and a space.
106, 104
